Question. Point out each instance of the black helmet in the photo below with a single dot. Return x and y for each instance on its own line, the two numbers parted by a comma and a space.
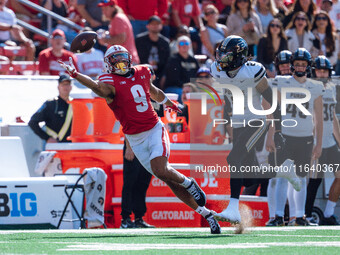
283, 57
321, 62
301, 54
232, 53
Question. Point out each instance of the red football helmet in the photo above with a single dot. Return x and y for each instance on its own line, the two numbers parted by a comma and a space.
117, 60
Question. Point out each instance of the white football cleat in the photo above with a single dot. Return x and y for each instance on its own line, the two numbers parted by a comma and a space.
230, 215
287, 171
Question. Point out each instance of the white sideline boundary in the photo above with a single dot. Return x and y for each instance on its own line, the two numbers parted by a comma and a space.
159, 230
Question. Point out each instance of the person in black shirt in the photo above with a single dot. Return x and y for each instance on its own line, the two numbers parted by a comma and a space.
153, 48
180, 68
56, 113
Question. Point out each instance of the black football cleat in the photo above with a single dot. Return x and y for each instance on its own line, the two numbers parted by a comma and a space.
127, 223
140, 223
197, 193
214, 226
330, 221
278, 221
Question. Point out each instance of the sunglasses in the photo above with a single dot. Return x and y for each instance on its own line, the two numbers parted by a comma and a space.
204, 76
275, 25
300, 18
321, 18
209, 13
183, 43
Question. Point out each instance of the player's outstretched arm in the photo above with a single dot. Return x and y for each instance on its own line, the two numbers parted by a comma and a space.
100, 88
159, 96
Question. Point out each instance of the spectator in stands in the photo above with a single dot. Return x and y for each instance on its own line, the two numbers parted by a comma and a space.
120, 29
90, 11
266, 10
270, 45
180, 68
24, 12
212, 32
74, 16
323, 30
56, 113
306, 6
91, 62
246, 23
153, 48
182, 30
58, 7
334, 14
183, 13
326, 5
139, 12
9, 30
300, 36
282, 9
48, 58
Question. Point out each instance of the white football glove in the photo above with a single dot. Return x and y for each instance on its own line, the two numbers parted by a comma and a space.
72, 71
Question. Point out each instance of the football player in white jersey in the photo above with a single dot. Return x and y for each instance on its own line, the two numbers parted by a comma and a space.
299, 139
232, 67
277, 186
330, 152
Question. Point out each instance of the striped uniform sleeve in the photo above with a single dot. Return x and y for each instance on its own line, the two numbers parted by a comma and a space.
260, 74
106, 78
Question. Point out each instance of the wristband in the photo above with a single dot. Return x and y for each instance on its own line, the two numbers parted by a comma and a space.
164, 101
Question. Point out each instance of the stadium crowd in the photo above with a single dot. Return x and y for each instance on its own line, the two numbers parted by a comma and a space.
175, 37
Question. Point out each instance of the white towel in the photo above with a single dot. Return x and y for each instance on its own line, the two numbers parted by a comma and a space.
95, 182
43, 161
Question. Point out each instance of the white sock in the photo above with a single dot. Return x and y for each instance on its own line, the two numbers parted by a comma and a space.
291, 201
186, 182
281, 196
329, 210
202, 210
271, 197
300, 198
234, 203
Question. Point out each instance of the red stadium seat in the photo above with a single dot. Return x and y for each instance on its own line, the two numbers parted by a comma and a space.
4, 67
24, 67
13, 51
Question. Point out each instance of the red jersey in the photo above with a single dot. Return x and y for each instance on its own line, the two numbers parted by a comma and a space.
48, 62
131, 104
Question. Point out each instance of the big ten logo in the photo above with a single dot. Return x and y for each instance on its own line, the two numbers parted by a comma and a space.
17, 205
214, 112
210, 180
257, 214
157, 182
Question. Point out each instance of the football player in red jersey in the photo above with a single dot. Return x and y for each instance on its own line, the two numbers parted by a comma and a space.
127, 90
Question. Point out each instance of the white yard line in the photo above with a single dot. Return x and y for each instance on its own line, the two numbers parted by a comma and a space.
160, 230
152, 246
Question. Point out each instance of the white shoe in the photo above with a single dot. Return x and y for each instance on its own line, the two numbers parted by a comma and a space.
287, 171
230, 215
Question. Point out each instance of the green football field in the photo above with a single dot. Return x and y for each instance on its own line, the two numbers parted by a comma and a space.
278, 240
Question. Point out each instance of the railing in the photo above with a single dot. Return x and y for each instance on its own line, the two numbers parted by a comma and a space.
49, 15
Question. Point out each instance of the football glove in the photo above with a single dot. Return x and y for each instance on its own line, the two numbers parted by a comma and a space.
72, 71
175, 107
279, 141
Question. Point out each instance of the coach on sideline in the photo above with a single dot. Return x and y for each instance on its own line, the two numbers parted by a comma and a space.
56, 113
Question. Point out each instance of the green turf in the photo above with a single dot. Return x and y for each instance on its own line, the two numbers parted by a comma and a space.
173, 241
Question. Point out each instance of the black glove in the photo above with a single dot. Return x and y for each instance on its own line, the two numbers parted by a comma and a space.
279, 141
